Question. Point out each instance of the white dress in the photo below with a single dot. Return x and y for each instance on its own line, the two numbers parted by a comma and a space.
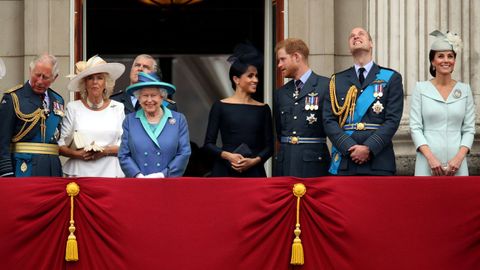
444, 126
104, 127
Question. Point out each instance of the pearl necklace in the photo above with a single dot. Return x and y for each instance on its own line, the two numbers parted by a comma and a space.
94, 106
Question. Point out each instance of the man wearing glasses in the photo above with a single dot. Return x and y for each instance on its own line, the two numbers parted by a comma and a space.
30, 125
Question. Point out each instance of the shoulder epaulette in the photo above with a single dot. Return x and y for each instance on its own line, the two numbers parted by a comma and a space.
13, 89
57, 94
170, 101
343, 71
117, 94
387, 68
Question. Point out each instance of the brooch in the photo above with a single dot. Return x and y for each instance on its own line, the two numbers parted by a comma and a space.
457, 93
172, 121
377, 107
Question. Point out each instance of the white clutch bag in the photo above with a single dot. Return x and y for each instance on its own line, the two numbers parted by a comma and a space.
78, 141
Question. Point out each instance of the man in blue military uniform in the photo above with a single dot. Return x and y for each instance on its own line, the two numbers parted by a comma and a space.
363, 112
31, 116
298, 114
142, 63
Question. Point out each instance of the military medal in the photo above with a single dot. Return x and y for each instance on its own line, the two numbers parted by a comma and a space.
311, 102
311, 119
296, 94
378, 93
58, 109
457, 93
377, 107
172, 121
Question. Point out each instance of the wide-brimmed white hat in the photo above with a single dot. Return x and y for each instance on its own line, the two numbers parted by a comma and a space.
94, 65
3, 69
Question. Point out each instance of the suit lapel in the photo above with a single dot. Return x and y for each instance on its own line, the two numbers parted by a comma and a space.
32, 97
127, 101
352, 77
309, 86
372, 74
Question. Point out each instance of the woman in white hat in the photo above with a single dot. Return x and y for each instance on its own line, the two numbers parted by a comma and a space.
442, 114
92, 126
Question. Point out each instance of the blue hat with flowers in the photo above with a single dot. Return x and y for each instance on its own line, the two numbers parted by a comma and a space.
150, 80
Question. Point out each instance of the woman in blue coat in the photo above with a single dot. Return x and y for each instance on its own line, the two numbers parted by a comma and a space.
155, 140
442, 114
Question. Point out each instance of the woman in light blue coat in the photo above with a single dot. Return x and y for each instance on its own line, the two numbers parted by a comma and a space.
155, 141
442, 114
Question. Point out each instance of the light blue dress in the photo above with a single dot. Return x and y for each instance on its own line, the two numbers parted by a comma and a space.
444, 126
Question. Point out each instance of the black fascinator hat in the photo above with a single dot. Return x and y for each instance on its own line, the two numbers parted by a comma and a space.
247, 54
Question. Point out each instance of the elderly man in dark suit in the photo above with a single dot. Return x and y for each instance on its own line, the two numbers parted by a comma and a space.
31, 115
363, 112
142, 63
298, 114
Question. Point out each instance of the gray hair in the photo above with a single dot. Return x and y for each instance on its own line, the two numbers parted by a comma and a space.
109, 85
163, 92
147, 56
46, 58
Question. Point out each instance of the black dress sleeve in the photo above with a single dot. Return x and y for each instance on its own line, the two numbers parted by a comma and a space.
213, 127
266, 152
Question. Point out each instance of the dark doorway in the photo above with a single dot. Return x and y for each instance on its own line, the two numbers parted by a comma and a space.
190, 42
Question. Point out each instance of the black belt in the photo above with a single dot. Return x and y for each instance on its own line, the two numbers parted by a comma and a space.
361, 126
297, 140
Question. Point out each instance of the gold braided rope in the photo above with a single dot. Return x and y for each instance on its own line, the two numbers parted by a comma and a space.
31, 118
348, 108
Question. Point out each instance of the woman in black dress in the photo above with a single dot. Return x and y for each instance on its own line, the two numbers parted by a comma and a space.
245, 124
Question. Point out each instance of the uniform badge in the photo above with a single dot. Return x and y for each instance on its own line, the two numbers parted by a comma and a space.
377, 107
24, 167
457, 93
172, 121
311, 119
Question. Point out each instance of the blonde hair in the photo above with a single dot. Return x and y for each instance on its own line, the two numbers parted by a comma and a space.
109, 85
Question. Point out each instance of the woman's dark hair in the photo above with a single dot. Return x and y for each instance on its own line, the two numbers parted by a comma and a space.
431, 55
244, 55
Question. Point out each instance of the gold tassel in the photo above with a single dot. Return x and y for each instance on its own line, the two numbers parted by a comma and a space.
72, 248
299, 190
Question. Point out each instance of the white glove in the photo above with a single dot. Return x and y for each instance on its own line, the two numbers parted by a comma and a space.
139, 175
155, 175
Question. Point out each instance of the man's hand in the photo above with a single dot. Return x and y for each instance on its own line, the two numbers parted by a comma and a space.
359, 154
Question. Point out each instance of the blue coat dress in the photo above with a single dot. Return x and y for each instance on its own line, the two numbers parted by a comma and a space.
166, 149
443, 125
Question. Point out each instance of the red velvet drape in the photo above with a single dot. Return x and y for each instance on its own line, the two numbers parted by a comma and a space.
369, 223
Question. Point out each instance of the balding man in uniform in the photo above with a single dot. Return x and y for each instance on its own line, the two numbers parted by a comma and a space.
31, 115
